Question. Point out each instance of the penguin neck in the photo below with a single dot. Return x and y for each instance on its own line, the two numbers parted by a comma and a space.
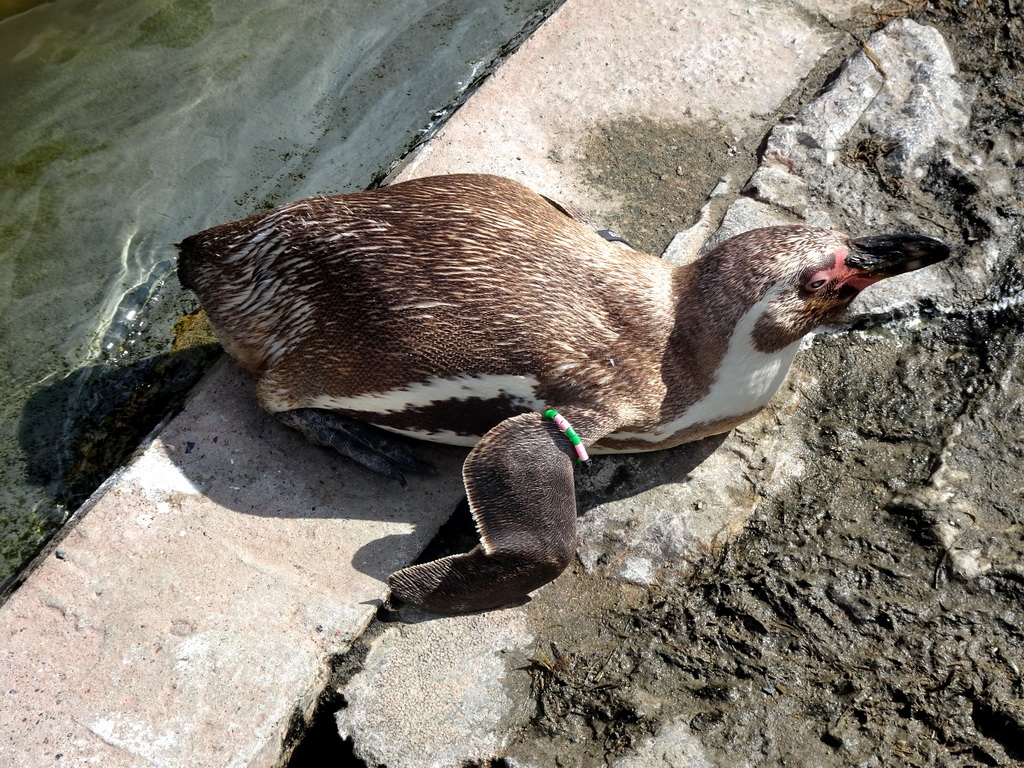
719, 370
707, 313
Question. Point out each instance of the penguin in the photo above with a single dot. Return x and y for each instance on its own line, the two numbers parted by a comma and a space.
467, 309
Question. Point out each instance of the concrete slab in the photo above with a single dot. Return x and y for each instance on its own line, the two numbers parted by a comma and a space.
188, 615
597, 61
459, 688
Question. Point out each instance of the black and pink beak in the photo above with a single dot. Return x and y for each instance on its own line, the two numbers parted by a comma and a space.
876, 258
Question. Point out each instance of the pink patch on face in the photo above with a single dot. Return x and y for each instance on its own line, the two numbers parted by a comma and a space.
848, 276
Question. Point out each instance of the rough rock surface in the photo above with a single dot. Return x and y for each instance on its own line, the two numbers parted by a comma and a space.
458, 700
673, 746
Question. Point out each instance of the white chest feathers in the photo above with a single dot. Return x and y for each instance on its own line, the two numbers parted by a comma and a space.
745, 381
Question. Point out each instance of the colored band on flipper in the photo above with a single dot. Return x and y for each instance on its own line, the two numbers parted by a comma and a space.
562, 423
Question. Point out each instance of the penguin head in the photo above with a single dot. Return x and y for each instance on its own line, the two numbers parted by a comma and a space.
804, 277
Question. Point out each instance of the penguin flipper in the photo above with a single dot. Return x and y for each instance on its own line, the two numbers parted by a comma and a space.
365, 444
519, 482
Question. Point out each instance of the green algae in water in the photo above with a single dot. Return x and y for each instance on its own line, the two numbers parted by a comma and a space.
129, 125
178, 24
28, 169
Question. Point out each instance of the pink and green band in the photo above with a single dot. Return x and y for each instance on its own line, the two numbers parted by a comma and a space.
563, 424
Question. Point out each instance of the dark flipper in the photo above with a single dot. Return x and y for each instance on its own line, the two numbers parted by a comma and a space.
363, 443
519, 481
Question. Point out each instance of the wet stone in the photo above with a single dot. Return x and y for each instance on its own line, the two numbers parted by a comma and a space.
674, 746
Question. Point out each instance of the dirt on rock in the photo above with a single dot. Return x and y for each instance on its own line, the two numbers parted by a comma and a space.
658, 173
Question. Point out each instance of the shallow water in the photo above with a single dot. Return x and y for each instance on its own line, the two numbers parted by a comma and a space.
129, 125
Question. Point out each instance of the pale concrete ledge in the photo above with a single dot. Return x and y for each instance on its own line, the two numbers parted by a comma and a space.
188, 614
190, 611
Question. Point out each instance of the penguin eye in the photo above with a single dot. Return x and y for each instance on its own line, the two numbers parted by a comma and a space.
815, 282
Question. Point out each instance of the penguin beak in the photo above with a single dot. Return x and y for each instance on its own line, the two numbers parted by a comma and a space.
875, 258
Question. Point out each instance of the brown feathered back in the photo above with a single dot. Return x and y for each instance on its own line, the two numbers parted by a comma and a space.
433, 278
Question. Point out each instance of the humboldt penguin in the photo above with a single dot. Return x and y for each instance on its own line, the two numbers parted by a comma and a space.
469, 310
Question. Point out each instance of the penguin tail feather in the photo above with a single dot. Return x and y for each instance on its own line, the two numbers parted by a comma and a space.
188, 257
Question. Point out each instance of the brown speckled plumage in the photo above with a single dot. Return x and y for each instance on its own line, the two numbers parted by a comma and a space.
428, 280
443, 307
